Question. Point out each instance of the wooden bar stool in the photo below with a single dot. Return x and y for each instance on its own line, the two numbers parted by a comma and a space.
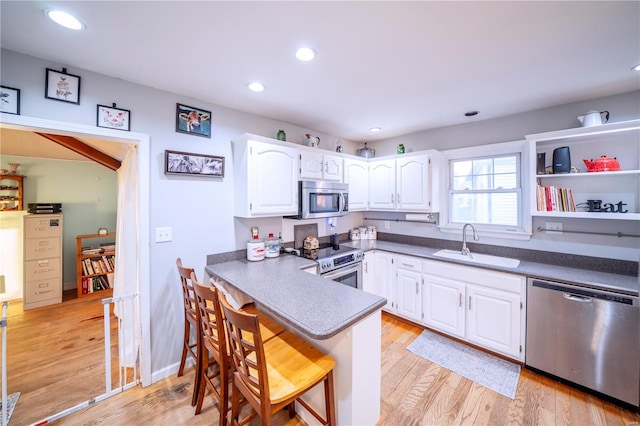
274, 374
190, 320
214, 352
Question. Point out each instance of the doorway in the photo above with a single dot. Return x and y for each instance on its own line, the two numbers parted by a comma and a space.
141, 142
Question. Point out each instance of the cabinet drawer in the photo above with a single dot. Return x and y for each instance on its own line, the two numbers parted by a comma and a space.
42, 227
41, 248
42, 269
410, 263
36, 291
469, 274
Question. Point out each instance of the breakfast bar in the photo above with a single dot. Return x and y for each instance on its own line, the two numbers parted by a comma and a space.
335, 318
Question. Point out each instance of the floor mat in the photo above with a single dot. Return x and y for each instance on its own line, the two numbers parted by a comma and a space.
12, 400
489, 371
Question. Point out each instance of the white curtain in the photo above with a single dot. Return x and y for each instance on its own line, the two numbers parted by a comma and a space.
126, 277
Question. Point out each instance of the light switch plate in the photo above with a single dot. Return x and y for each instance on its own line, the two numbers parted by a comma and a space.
163, 234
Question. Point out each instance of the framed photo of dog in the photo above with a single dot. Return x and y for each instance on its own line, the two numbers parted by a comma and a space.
190, 164
193, 121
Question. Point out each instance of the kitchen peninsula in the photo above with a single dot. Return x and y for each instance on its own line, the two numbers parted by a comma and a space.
342, 321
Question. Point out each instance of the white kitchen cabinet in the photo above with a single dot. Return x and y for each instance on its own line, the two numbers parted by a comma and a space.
406, 183
384, 277
620, 140
369, 283
382, 184
493, 319
316, 165
356, 175
266, 177
481, 306
407, 290
443, 304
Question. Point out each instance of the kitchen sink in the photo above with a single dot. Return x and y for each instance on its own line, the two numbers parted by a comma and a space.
482, 259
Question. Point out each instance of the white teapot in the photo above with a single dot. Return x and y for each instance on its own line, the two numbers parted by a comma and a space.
594, 118
312, 141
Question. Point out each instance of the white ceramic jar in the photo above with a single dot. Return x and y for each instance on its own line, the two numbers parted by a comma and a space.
355, 234
255, 250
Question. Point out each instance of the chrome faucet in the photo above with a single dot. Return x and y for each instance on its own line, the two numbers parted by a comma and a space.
465, 249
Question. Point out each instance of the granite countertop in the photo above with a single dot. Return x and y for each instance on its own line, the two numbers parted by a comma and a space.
315, 306
604, 280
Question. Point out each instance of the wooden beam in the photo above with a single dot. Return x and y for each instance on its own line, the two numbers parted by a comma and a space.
83, 149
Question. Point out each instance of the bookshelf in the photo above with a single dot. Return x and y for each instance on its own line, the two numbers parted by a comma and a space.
11, 192
95, 263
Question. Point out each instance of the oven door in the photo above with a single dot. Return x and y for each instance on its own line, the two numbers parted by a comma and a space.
349, 275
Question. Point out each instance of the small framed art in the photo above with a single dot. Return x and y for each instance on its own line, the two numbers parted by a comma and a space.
9, 100
61, 86
186, 163
113, 118
193, 121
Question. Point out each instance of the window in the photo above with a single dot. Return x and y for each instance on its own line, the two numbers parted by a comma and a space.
486, 190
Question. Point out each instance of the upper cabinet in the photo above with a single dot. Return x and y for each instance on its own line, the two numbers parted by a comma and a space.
356, 174
405, 183
609, 194
316, 165
265, 177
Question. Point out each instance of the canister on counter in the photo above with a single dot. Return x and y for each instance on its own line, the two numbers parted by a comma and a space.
255, 249
364, 233
373, 232
272, 246
354, 234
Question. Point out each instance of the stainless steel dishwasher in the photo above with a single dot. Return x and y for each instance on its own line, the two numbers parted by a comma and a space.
590, 337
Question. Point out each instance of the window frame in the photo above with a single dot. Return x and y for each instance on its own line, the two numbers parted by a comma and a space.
523, 230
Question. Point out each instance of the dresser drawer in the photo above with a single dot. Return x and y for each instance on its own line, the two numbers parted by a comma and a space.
36, 291
42, 227
41, 248
43, 269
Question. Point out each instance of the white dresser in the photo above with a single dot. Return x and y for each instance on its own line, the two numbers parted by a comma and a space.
42, 260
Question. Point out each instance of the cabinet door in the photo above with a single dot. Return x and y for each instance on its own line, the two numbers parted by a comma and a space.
382, 185
493, 319
408, 293
413, 184
273, 179
356, 174
311, 165
332, 168
443, 304
369, 282
384, 277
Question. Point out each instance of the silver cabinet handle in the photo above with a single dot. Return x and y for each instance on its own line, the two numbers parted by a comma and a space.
469, 302
398, 198
460, 301
392, 198
417, 291
406, 264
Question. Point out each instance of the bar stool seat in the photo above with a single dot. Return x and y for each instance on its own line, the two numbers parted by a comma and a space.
274, 374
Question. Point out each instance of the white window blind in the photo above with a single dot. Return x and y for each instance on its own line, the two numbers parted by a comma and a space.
486, 190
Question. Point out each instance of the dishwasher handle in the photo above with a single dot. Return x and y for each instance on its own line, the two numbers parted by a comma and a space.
577, 298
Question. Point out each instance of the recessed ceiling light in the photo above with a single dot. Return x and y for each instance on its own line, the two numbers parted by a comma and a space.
305, 54
470, 113
636, 68
256, 87
64, 19
375, 129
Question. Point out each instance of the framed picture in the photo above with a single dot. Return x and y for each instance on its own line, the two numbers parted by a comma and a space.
61, 86
113, 118
9, 100
193, 121
186, 163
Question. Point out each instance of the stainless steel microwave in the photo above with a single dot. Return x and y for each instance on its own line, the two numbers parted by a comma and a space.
318, 199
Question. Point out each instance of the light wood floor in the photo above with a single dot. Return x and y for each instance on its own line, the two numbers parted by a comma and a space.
414, 392
55, 356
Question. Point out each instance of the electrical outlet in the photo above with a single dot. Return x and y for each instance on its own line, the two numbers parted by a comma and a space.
163, 234
386, 224
553, 226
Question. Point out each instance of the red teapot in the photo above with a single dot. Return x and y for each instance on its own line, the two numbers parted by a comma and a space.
603, 164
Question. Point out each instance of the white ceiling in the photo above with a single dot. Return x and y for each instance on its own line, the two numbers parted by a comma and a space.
402, 66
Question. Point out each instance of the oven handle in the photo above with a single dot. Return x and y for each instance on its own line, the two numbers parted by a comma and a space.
341, 271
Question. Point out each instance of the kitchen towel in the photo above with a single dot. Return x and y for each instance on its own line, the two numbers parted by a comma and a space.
487, 370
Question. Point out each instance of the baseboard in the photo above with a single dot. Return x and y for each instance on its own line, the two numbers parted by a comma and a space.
170, 370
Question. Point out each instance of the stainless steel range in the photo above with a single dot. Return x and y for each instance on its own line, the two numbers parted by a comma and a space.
340, 264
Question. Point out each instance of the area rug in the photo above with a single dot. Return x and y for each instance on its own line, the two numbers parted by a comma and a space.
489, 371
11, 404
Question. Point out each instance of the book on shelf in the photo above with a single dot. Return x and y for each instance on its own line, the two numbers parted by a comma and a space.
555, 199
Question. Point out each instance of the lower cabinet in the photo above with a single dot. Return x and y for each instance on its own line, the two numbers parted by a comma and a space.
480, 306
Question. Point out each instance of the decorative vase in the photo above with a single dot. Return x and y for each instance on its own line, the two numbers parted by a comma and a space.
14, 167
